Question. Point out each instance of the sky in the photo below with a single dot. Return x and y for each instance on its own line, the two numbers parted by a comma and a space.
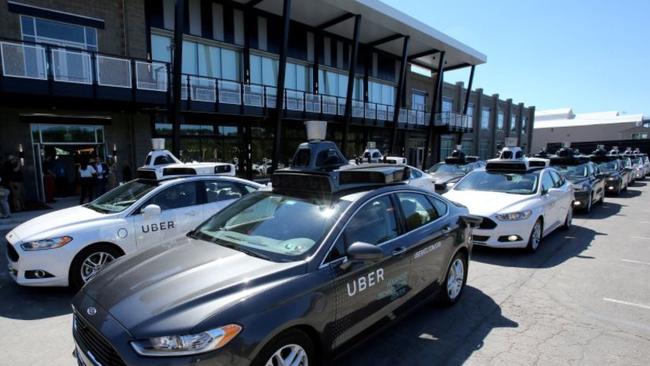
590, 55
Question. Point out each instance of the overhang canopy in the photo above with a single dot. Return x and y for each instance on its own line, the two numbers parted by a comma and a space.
379, 22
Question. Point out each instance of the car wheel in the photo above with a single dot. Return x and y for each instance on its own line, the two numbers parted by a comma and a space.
535, 236
293, 347
454, 281
602, 198
568, 220
89, 262
589, 203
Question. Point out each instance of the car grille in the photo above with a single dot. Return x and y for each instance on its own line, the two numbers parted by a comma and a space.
12, 253
487, 224
480, 237
90, 340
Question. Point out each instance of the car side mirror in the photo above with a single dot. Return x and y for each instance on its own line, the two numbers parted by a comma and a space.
544, 192
362, 252
471, 220
150, 211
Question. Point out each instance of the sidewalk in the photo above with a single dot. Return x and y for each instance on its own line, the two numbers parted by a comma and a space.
18, 218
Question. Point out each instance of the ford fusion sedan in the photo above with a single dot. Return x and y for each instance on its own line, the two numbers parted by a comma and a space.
615, 176
584, 175
446, 174
280, 277
68, 247
519, 204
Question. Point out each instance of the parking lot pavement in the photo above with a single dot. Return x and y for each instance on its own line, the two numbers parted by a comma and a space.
583, 298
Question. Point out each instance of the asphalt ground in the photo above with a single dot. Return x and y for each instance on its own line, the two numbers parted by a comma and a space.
582, 299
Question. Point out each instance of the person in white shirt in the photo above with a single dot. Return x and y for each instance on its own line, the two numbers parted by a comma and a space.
87, 179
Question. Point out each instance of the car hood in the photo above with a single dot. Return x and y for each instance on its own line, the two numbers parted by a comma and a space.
487, 203
43, 226
441, 178
174, 286
577, 180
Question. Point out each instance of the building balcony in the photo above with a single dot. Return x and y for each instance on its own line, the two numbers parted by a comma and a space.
453, 122
49, 70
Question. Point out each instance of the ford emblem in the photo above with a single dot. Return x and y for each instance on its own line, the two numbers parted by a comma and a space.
91, 311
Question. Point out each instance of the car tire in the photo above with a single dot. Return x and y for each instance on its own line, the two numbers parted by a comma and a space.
453, 286
81, 269
283, 345
602, 198
536, 235
589, 203
568, 220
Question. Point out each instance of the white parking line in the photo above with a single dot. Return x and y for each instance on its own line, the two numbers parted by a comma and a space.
640, 237
635, 261
626, 303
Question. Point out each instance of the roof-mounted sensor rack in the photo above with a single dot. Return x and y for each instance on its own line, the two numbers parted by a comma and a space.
568, 156
456, 157
511, 159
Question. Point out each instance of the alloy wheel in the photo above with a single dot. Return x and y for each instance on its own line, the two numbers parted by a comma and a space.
536, 235
289, 355
455, 278
94, 263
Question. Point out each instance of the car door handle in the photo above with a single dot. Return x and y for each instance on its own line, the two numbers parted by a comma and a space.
446, 230
399, 251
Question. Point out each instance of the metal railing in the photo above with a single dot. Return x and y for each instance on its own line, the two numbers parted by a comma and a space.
68, 65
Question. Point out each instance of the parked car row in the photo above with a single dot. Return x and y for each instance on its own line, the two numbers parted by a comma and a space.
206, 269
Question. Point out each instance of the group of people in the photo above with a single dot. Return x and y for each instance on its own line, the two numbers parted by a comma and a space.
95, 178
12, 195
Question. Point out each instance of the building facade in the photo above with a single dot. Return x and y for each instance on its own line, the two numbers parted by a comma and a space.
586, 131
83, 79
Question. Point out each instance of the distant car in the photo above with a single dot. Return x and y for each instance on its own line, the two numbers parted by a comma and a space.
161, 163
69, 246
629, 165
280, 278
588, 183
375, 156
421, 179
615, 176
519, 204
639, 169
446, 174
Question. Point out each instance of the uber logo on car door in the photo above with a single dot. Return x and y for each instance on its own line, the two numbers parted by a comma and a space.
165, 225
366, 281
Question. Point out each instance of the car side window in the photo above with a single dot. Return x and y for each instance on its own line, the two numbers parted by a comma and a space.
216, 191
163, 159
417, 209
415, 174
557, 179
547, 182
440, 206
176, 196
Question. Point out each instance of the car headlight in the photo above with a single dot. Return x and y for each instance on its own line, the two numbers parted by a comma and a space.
580, 188
182, 345
611, 179
514, 216
46, 243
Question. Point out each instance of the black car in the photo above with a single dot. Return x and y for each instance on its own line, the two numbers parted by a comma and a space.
614, 173
588, 183
457, 165
280, 277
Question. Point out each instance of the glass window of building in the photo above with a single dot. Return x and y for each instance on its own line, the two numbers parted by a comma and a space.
447, 105
381, 93
418, 100
484, 150
470, 111
513, 122
524, 121
446, 145
485, 118
58, 33
161, 48
500, 121
336, 84
467, 144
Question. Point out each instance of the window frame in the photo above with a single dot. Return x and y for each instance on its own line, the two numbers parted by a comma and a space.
147, 200
403, 215
324, 263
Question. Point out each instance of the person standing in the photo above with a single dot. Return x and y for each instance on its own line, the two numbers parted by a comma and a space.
13, 172
4, 200
86, 179
102, 175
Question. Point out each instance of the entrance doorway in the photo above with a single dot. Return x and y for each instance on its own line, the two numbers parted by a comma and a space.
58, 152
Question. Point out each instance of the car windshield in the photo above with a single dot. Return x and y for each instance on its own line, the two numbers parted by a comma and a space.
272, 226
448, 168
515, 183
122, 197
608, 166
572, 171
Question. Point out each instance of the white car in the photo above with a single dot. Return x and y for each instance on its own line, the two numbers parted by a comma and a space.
519, 204
375, 156
69, 246
421, 179
161, 163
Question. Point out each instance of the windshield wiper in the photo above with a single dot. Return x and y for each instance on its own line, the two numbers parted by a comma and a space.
244, 250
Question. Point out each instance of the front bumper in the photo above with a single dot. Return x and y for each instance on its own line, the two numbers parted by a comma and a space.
503, 230
53, 263
613, 186
581, 199
101, 340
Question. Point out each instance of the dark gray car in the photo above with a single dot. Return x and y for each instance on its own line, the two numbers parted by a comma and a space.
276, 278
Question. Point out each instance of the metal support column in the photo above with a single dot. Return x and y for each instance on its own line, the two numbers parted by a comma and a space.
352, 70
468, 93
282, 67
177, 70
398, 97
437, 86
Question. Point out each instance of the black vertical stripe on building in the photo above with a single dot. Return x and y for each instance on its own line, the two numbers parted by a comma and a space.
154, 14
206, 19
298, 41
186, 28
251, 26
228, 23
273, 34
334, 50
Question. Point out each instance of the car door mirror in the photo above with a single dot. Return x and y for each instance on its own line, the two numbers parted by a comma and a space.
471, 220
362, 252
150, 211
